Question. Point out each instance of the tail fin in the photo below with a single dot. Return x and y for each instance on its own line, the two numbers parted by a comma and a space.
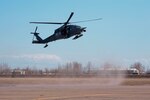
36, 35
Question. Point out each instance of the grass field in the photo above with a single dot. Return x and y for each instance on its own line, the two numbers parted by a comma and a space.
74, 88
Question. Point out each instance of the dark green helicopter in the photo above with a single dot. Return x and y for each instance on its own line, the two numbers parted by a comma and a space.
64, 32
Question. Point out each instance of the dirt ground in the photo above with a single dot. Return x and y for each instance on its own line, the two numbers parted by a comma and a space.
74, 89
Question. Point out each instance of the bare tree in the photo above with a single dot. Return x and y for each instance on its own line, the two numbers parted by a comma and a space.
77, 68
138, 66
89, 66
5, 69
47, 71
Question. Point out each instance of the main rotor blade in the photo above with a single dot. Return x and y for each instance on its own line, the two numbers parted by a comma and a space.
45, 23
87, 20
69, 18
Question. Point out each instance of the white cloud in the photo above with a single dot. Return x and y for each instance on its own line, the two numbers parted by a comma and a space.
35, 57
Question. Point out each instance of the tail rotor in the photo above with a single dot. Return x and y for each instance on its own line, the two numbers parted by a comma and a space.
34, 33
35, 29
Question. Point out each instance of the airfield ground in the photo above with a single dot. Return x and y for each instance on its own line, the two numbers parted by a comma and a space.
74, 88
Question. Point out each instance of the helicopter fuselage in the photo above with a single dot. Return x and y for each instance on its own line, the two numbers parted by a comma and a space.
63, 32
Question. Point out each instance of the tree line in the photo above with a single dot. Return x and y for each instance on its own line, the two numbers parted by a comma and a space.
72, 69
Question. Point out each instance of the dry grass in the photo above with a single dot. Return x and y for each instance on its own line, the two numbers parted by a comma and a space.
136, 81
118, 81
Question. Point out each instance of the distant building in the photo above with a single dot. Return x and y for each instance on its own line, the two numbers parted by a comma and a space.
133, 71
18, 72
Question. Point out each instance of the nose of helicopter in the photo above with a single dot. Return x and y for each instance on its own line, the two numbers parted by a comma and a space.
83, 29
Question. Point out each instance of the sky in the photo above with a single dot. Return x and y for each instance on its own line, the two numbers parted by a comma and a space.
121, 37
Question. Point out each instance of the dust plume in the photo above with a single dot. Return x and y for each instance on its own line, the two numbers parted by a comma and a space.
112, 74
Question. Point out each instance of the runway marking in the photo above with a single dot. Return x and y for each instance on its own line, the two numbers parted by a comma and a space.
68, 97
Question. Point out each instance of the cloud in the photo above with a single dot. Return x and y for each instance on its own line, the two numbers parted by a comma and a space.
35, 57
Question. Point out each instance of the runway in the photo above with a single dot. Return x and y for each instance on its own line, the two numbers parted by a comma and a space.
70, 89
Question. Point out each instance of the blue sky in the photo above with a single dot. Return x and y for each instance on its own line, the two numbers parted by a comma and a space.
122, 37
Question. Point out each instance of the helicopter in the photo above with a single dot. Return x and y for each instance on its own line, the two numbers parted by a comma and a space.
66, 31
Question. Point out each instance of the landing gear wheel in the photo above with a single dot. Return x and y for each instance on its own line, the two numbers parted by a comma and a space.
46, 45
